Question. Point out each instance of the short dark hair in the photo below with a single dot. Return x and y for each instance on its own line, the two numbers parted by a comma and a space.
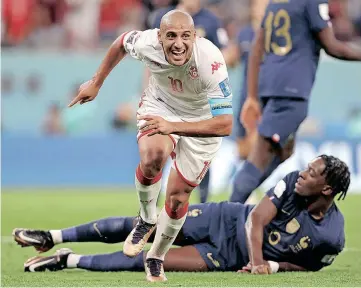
337, 175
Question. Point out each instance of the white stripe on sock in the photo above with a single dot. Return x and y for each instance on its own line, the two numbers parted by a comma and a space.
57, 236
73, 260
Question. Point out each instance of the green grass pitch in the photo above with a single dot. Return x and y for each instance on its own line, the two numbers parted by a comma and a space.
59, 208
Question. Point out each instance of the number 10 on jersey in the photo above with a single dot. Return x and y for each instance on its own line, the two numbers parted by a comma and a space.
176, 84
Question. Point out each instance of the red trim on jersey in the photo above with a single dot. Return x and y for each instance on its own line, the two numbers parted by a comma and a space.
173, 155
179, 213
183, 178
122, 37
173, 140
145, 180
143, 133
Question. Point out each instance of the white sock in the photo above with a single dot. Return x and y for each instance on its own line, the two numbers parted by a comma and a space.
148, 196
167, 231
57, 236
73, 260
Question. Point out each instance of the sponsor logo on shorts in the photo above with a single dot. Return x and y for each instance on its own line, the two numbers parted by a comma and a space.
215, 262
204, 170
95, 226
225, 87
194, 213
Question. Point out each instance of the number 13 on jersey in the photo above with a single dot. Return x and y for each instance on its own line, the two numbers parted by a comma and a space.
278, 25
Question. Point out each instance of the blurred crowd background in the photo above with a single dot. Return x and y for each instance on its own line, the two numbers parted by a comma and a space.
49, 47
90, 24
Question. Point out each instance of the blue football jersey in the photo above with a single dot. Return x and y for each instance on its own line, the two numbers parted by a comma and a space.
292, 48
245, 38
295, 236
206, 24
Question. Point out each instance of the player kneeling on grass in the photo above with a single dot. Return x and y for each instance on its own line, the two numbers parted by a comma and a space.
296, 227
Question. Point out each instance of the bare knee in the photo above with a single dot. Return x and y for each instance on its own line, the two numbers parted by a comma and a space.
152, 161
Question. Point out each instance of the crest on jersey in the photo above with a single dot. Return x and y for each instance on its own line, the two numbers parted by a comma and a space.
193, 72
225, 87
293, 226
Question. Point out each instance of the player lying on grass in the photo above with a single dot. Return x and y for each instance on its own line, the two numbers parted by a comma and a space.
295, 227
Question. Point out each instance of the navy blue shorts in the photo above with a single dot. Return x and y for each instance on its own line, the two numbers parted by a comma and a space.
281, 117
212, 229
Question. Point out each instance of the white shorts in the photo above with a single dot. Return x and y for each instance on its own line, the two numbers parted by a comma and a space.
191, 156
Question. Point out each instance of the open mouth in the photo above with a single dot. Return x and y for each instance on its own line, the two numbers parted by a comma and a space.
298, 183
178, 54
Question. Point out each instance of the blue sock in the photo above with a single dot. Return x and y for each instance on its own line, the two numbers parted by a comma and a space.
107, 230
246, 180
204, 188
112, 262
271, 167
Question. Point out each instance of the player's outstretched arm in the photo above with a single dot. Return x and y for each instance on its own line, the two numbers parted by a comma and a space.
336, 48
319, 20
90, 89
260, 216
115, 53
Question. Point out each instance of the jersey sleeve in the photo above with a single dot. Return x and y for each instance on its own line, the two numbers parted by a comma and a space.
321, 256
132, 44
318, 14
216, 82
283, 190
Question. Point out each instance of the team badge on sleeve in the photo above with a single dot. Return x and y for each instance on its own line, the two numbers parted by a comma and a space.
324, 11
225, 87
280, 188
